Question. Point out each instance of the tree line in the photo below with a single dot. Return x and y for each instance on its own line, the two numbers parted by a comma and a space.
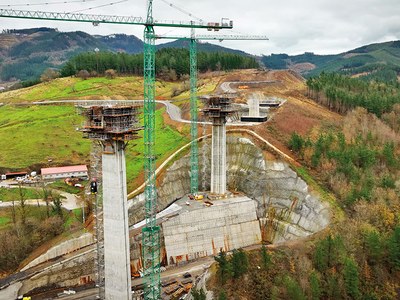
341, 93
167, 60
383, 72
331, 269
355, 170
360, 257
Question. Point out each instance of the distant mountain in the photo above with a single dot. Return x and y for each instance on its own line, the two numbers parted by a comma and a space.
381, 58
207, 47
26, 53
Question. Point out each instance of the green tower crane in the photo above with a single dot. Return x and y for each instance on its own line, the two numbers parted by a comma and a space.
151, 231
194, 150
194, 158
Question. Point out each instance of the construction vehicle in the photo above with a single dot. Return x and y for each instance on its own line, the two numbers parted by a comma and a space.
93, 187
198, 197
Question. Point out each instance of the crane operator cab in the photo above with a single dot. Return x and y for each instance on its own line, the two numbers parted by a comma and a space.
93, 186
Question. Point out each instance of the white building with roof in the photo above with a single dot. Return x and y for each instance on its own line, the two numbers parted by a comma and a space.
64, 172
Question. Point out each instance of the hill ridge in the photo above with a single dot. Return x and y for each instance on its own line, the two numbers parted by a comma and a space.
26, 53
376, 57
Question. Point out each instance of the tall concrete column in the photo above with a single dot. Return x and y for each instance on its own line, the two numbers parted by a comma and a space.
218, 157
116, 234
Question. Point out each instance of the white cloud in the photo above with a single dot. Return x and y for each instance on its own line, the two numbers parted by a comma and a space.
293, 26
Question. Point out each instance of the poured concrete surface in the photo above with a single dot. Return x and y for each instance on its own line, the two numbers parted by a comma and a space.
61, 249
199, 230
218, 159
116, 231
254, 106
10, 292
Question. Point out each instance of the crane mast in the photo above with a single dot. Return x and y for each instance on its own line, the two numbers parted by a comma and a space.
151, 232
194, 151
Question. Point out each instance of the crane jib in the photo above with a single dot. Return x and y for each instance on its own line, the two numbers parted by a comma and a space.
108, 19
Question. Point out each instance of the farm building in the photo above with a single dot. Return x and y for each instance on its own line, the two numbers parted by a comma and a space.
11, 175
64, 172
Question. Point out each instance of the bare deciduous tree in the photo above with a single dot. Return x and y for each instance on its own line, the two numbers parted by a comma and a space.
83, 74
110, 74
22, 203
49, 74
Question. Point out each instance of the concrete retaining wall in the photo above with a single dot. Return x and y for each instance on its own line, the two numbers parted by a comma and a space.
62, 249
72, 272
286, 207
202, 231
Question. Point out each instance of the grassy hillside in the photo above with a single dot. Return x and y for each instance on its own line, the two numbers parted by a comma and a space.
167, 141
75, 88
32, 135
102, 88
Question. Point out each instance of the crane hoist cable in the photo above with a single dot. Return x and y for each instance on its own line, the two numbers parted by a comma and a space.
94, 7
183, 11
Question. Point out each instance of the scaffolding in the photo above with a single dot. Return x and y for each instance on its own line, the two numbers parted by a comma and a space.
218, 108
97, 203
118, 123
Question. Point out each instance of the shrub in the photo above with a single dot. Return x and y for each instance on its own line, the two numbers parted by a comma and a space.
110, 74
83, 74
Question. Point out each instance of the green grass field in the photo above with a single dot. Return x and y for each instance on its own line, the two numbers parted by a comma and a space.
62, 186
167, 141
73, 219
7, 194
4, 221
33, 134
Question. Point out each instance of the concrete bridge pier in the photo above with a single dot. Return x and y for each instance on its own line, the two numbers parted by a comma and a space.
218, 158
116, 229
217, 109
113, 127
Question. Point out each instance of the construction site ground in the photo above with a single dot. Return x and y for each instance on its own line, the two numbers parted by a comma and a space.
195, 268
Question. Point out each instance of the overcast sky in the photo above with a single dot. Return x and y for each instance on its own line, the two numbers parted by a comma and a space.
293, 26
